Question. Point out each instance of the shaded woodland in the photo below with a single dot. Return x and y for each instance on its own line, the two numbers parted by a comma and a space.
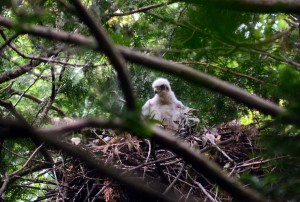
75, 74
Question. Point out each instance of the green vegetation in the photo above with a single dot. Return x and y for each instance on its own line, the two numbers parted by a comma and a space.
255, 51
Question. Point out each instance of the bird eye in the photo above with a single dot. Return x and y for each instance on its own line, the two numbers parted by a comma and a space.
163, 87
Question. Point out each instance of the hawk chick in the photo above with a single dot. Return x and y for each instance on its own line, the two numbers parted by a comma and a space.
164, 106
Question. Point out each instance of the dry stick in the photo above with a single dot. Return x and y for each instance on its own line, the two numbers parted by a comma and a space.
152, 162
91, 160
208, 168
107, 46
204, 191
175, 180
179, 70
148, 156
199, 162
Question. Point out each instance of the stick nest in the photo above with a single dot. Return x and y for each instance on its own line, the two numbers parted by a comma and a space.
230, 145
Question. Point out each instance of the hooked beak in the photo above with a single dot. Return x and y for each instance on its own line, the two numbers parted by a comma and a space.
156, 90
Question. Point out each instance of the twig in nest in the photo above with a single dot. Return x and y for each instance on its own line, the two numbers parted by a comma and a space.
205, 192
176, 179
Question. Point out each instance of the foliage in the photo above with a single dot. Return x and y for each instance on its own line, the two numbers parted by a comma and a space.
257, 52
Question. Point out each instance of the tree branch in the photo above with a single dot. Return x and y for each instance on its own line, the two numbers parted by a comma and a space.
107, 46
22, 120
199, 162
142, 9
50, 135
259, 6
181, 71
37, 100
223, 69
204, 80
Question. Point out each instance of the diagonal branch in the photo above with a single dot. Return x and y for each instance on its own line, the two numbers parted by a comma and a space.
107, 46
50, 136
223, 69
181, 71
142, 9
37, 100
21, 119
199, 162
259, 6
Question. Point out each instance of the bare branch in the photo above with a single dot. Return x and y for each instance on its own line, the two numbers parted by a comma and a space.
182, 71
142, 9
49, 102
7, 42
22, 120
107, 46
9, 177
269, 6
206, 167
203, 79
37, 100
199, 162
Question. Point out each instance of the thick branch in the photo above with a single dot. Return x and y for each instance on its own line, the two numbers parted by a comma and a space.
21, 119
203, 165
107, 46
208, 168
181, 71
260, 6
16, 72
203, 79
50, 136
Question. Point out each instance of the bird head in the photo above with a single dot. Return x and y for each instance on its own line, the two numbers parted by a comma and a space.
161, 86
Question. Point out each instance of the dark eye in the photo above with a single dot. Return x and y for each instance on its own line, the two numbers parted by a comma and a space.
163, 87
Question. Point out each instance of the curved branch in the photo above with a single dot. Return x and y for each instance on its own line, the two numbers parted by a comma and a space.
37, 100
22, 120
181, 71
208, 168
199, 162
259, 6
204, 80
50, 136
107, 46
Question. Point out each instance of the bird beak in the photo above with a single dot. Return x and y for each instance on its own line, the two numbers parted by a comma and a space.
156, 90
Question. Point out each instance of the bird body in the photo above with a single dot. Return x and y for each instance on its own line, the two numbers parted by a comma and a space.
164, 106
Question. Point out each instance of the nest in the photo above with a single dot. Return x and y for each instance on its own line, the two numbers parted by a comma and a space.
230, 145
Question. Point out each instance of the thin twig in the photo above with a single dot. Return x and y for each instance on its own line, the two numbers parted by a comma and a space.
175, 180
204, 191
142, 9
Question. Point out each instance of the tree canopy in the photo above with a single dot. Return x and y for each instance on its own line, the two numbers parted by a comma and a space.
68, 67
